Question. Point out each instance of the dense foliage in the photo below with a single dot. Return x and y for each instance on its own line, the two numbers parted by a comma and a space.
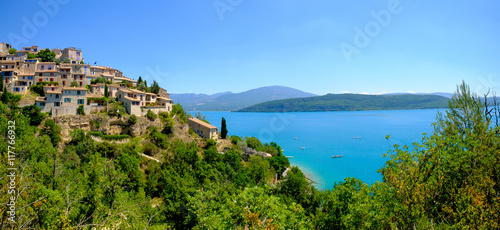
449, 180
350, 102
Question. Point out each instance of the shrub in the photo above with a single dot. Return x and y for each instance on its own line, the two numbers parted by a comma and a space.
95, 123
150, 115
150, 149
38, 89
235, 140
253, 143
132, 120
80, 110
169, 126
108, 137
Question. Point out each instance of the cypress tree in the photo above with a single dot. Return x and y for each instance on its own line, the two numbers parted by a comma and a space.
106, 92
223, 132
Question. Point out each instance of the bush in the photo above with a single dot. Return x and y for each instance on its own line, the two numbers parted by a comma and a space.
151, 116
132, 120
80, 110
150, 149
95, 123
254, 143
235, 140
108, 137
38, 89
169, 126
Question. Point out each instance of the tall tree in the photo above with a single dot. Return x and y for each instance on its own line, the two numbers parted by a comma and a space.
5, 95
106, 92
223, 131
139, 81
155, 88
46, 55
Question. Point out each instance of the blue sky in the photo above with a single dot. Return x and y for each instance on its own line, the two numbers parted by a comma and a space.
194, 46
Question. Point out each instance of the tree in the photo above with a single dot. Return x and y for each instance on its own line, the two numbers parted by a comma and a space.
155, 88
254, 143
223, 132
141, 86
12, 51
101, 80
5, 95
132, 120
73, 84
46, 55
32, 56
52, 130
106, 92
38, 89
80, 110
150, 115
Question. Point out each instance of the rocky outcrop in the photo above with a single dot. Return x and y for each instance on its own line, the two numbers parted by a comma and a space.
107, 125
247, 152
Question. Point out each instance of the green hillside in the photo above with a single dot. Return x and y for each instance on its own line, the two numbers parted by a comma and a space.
351, 102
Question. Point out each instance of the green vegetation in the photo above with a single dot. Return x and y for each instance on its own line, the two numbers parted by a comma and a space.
38, 89
46, 55
106, 92
223, 132
31, 56
108, 137
132, 120
350, 102
101, 80
80, 110
150, 115
448, 181
12, 51
73, 84
155, 88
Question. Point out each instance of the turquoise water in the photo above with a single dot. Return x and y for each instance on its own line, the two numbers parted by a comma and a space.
323, 134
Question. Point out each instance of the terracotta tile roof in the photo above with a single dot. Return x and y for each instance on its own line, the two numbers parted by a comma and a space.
54, 92
137, 91
131, 99
94, 95
164, 98
74, 88
202, 123
41, 99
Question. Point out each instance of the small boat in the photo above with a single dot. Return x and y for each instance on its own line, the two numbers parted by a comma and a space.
302, 148
289, 156
357, 138
337, 156
295, 138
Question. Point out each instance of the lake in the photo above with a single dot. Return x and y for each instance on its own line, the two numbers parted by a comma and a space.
312, 138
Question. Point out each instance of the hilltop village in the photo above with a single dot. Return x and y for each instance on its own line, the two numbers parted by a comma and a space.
66, 85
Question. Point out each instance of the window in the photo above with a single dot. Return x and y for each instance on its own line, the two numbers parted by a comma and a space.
51, 74
81, 101
81, 84
30, 77
67, 100
78, 92
57, 95
64, 83
81, 77
24, 77
40, 74
57, 103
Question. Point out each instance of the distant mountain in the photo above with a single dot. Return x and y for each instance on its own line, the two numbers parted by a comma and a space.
228, 101
351, 102
447, 95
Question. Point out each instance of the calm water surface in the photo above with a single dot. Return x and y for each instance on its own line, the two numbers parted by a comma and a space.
313, 137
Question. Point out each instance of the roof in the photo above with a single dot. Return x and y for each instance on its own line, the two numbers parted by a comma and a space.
41, 99
202, 123
137, 91
53, 92
164, 98
94, 95
131, 99
74, 88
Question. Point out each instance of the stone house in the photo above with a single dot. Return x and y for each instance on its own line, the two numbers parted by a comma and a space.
203, 129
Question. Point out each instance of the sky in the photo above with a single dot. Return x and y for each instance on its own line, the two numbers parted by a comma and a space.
317, 46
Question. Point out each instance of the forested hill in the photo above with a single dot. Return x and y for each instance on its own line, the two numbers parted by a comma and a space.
351, 102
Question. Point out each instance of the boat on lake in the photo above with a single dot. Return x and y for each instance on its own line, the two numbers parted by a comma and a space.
357, 138
337, 156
